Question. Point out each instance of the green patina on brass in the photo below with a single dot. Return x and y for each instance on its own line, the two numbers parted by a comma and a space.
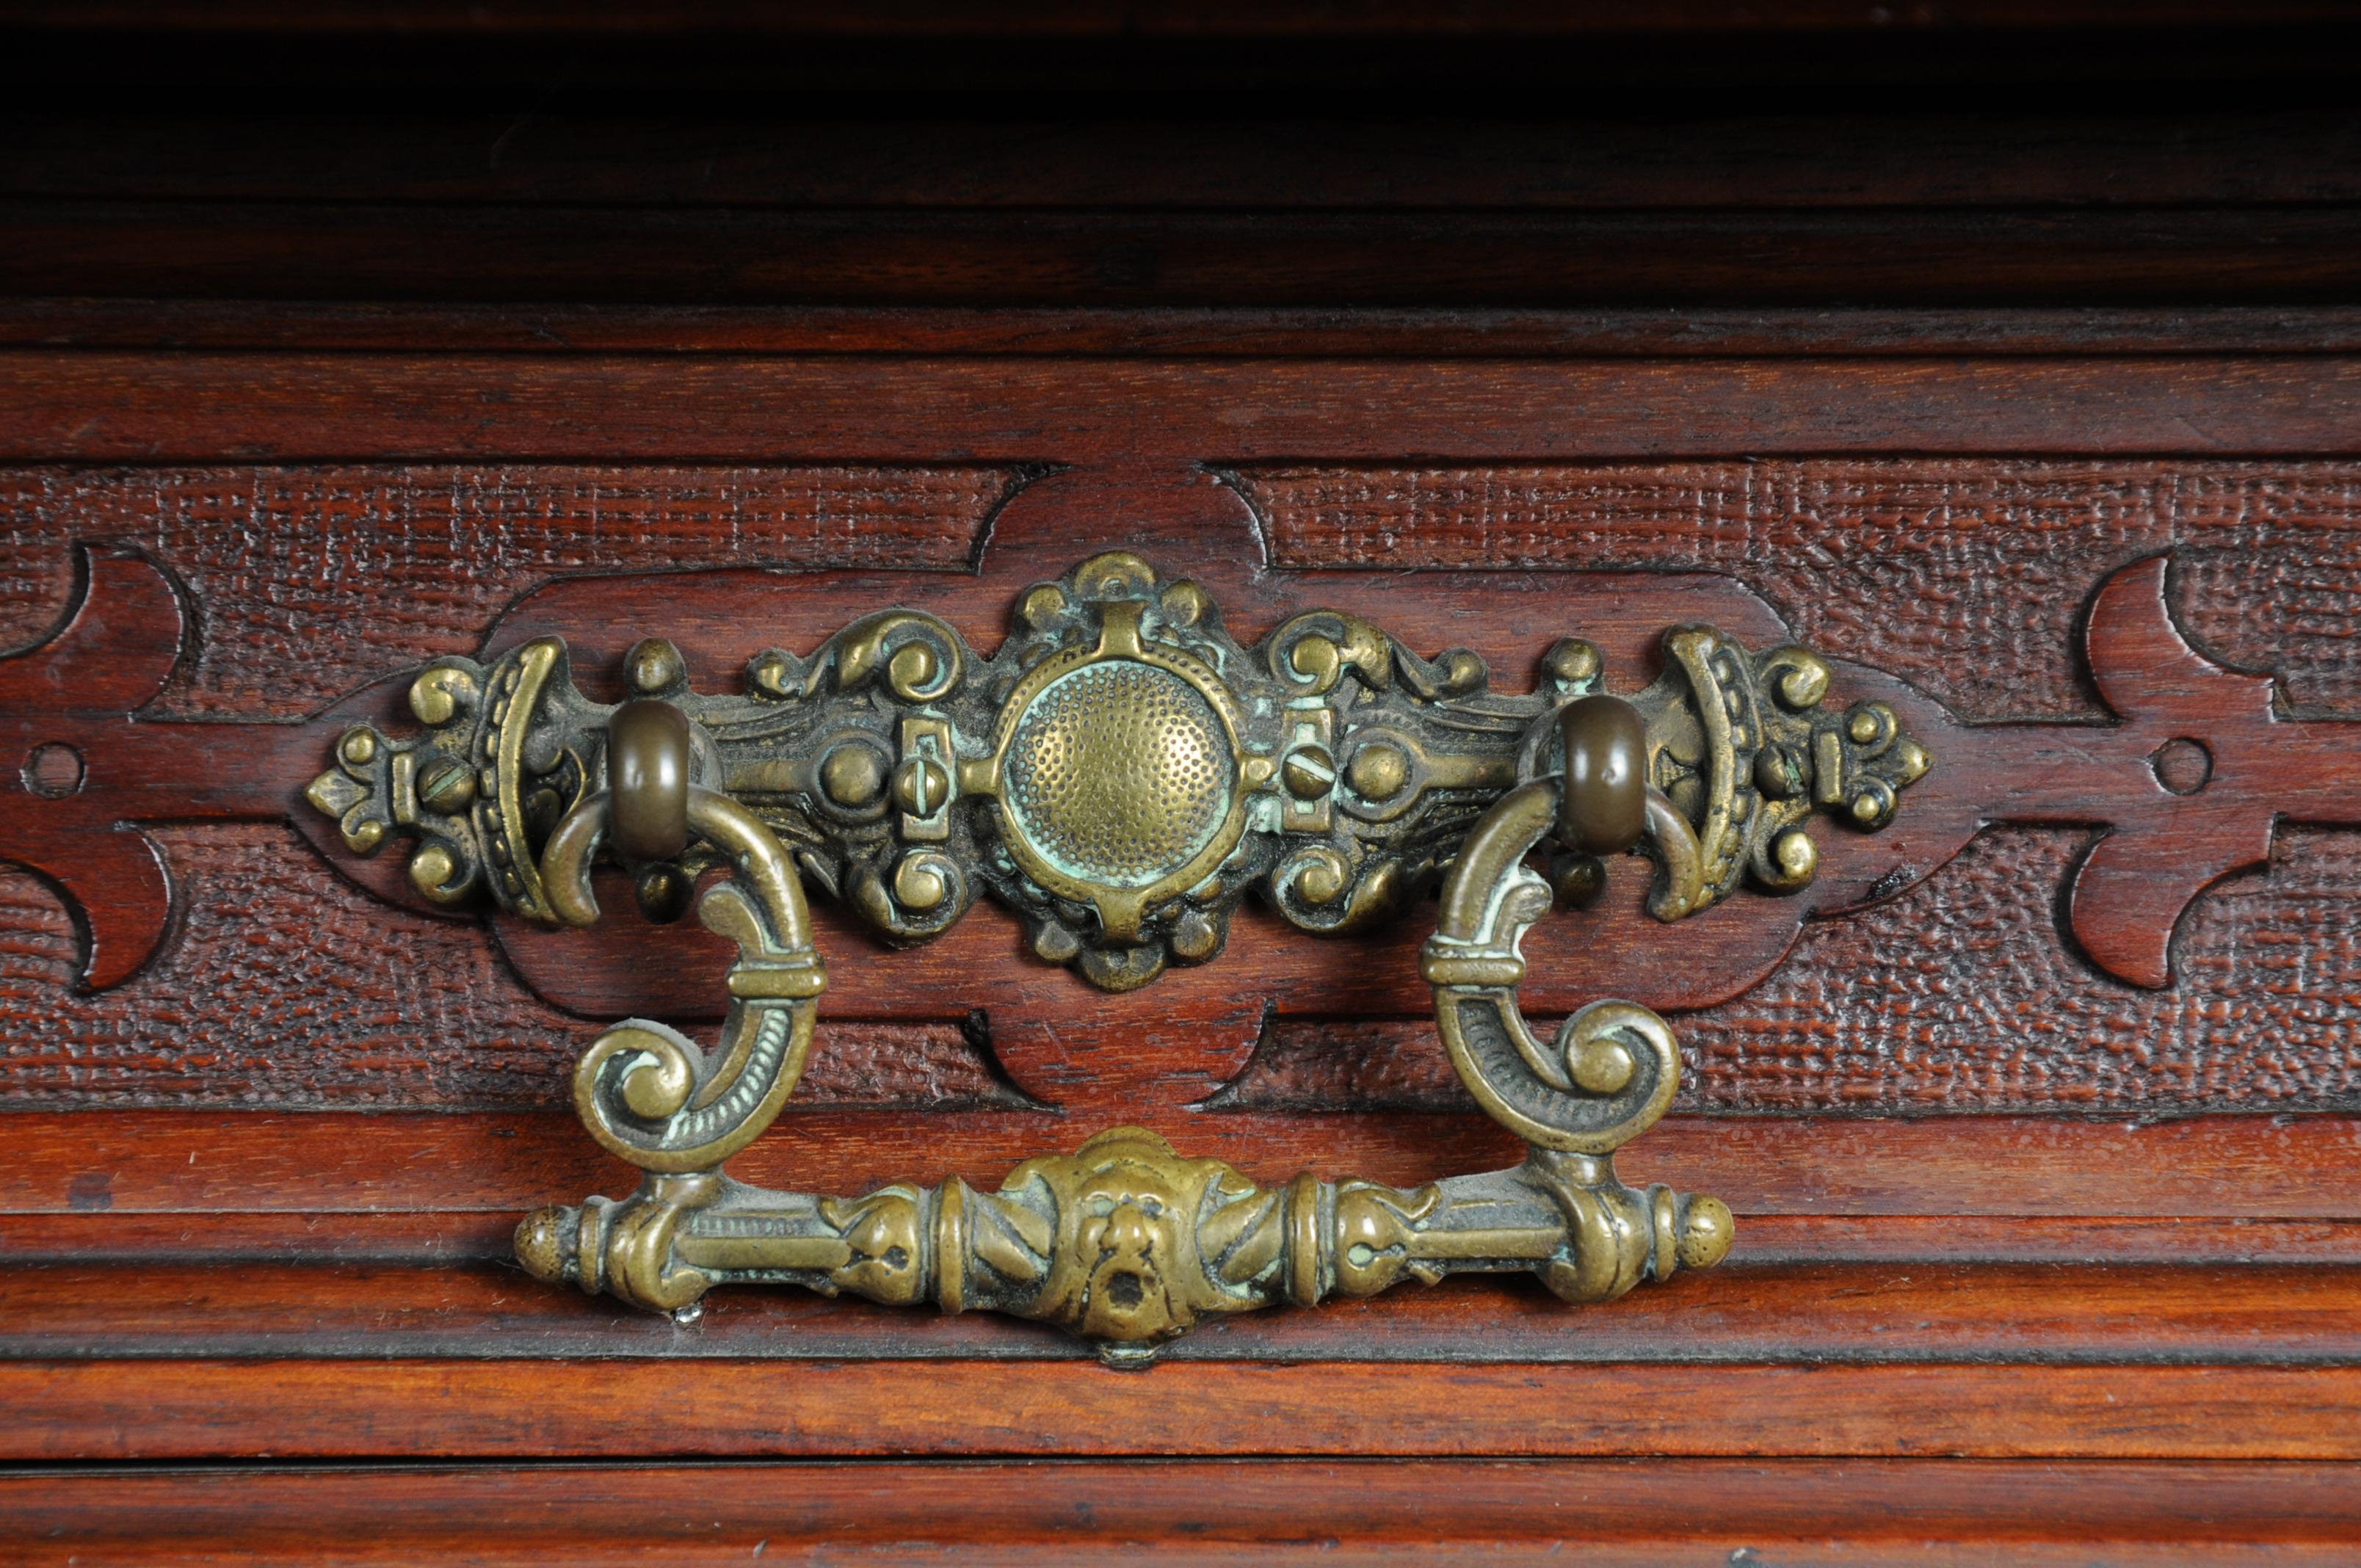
1122, 773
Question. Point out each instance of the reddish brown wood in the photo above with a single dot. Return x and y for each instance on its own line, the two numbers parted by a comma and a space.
2247, 768
1961, 994
101, 406
1845, 1313
1854, 1512
2007, 651
184, 1162
1163, 331
88, 1410
362, 569
1572, 377
1956, 994
2162, 689
2036, 773
234, 1011
73, 696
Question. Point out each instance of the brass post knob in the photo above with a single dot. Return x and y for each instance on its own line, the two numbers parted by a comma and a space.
1603, 807
648, 766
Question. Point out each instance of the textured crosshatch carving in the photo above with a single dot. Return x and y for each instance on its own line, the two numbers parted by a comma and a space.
1940, 531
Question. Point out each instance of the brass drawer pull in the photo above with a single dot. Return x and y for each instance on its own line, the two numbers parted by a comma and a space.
1122, 773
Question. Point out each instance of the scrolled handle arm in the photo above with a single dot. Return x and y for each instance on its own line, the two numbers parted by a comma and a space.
647, 1093
1611, 1068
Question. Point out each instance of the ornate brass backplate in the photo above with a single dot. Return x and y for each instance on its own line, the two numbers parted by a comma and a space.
1122, 773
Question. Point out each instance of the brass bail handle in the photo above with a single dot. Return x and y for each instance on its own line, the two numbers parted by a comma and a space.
646, 1092
1124, 1241
1122, 773
1613, 1067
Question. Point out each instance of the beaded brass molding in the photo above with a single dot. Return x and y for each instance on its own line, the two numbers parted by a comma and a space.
1122, 773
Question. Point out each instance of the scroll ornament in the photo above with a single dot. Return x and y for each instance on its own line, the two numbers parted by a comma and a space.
1121, 773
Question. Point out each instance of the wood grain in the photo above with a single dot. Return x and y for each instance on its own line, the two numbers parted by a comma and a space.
2286, 947
1963, 995
101, 406
1915, 327
91, 1410
1818, 1314
1967, 577
1270, 1511
206, 1163
287, 988
1958, 995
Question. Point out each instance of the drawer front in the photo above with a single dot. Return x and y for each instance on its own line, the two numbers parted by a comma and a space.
2023, 1097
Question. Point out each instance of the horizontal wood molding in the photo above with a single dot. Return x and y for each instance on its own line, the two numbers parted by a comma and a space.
100, 406
198, 1163
641, 1409
1816, 1314
1612, 1511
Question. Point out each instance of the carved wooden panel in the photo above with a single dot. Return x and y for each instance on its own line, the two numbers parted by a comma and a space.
2006, 366
314, 580
1995, 560
2001, 546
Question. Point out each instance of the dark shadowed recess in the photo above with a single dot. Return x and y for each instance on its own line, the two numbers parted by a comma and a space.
1178, 50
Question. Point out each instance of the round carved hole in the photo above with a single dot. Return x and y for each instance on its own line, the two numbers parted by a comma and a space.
2182, 765
53, 772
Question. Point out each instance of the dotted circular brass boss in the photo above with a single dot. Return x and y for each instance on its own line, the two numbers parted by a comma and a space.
1119, 774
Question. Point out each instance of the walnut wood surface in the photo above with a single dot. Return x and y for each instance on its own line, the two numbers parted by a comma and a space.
316, 581
111, 406
2006, 963
194, 1163
1995, 558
